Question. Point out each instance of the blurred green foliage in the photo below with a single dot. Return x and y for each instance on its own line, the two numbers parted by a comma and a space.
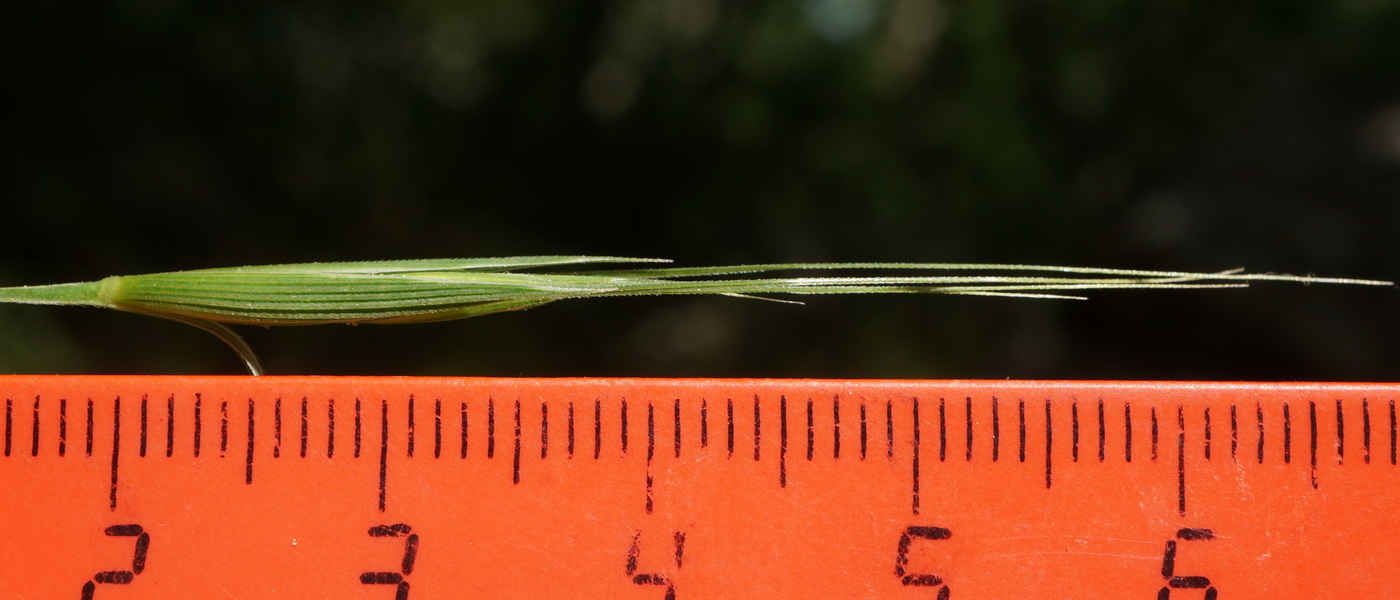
154, 135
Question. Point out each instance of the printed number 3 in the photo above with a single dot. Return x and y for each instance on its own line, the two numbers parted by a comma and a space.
138, 562
410, 554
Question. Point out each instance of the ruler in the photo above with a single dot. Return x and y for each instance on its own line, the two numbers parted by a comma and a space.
429, 488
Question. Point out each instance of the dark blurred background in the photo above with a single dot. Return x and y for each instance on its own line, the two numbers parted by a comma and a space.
152, 135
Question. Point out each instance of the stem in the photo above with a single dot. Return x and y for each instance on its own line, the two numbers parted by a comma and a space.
87, 293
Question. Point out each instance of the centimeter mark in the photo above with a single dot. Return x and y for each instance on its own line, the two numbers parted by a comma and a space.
1181, 460
169, 426
651, 453
1234, 433
889, 427
142, 447
223, 429
305, 422
198, 424
782, 440
1049, 442
383, 452
916, 428
410, 427
63, 427
704, 422
116, 444
1312, 443
330, 427
34, 444
515, 469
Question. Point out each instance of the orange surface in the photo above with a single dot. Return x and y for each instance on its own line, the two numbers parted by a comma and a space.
1062, 490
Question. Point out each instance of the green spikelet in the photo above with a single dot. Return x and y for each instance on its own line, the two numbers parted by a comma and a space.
421, 291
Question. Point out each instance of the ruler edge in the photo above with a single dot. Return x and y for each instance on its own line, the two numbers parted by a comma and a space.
682, 383
255, 385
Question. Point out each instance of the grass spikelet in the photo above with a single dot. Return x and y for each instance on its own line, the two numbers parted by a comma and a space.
423, 291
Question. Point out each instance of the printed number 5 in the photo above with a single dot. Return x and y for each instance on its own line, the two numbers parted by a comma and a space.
138, 562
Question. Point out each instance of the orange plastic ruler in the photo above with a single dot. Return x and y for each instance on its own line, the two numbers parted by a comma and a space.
436, 488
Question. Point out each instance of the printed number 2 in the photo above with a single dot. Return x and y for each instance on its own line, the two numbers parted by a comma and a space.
138, 562
410, 554
901, 561
1184, 582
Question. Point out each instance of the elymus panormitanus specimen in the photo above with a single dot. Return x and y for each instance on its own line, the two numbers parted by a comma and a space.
421, 291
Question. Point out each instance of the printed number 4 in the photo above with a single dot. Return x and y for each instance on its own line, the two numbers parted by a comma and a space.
634, 553
410, 554
138, 562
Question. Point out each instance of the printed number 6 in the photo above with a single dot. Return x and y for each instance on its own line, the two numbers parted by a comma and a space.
901, 561
138, 562
1184, 582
